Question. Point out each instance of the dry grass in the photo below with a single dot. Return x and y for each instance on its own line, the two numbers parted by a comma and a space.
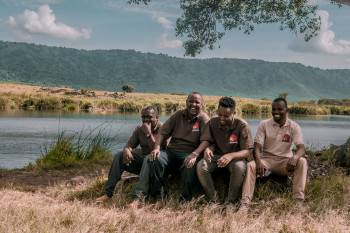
36, 212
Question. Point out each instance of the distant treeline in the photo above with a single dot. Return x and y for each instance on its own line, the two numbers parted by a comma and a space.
147, 72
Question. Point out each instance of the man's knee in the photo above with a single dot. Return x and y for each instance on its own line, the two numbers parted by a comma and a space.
251, 167
202, 166
239, 166
302, 163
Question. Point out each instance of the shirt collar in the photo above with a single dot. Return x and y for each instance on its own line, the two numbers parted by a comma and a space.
286, 124
187, 116
232, 126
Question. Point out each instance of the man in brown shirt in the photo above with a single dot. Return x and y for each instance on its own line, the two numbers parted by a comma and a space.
230, 142
273, 152
131, 159
185, 128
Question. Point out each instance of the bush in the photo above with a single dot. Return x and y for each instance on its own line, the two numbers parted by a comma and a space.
129, 107
47, 104
76, 149
128, 88
250, 109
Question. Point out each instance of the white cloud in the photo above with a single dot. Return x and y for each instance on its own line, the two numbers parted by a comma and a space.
325, 42
43, 22
165, 42
166, 23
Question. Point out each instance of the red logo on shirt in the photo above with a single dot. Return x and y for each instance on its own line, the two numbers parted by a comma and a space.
195, 126
233, 138
286, 138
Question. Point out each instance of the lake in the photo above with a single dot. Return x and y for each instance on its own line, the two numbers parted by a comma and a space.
24, 135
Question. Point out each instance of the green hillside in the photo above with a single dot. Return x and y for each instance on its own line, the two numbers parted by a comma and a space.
110, 69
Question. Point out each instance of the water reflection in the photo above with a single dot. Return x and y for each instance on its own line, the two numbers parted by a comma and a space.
22, 134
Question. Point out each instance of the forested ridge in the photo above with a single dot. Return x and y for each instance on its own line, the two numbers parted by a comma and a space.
147, 72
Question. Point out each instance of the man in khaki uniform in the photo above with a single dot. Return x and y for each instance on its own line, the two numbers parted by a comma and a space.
230, 143
273, 152
184, 129
132, 159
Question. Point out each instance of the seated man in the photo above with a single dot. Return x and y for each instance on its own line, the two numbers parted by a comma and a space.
273, 152
230, 143
131, 159
185, 128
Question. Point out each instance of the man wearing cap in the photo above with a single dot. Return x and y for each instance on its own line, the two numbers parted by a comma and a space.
132, 159
273, 152
230, 143
185, 128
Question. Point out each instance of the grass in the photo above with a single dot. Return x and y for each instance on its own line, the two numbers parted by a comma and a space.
71, 209
101, 101
77, 149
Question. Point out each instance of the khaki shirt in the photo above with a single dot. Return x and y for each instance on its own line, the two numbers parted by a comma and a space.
184, 132
278, 140
138, 137
234, 138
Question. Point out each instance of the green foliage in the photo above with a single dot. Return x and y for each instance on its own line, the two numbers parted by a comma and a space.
155, 73
128, 88
72, 150
204, 22
250, 109
129, 107
3, 103
328, 192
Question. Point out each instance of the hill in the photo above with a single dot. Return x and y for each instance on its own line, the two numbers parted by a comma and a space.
110, 69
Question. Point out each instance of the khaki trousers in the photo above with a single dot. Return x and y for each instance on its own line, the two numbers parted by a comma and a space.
277, 165
237, 169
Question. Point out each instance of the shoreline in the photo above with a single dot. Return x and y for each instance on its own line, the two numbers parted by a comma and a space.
39, 98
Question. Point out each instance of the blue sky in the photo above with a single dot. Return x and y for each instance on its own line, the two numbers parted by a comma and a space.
113, 24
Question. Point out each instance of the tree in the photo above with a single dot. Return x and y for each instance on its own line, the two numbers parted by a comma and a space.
128, 88
283, 95
204, 22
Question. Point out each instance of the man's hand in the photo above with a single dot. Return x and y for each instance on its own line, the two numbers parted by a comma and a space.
292, 163
190, 160
224, 160
154, 154
208, 154
146, 128
127, 156
260, 168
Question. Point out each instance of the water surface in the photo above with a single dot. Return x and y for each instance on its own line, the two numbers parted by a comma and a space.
24, 135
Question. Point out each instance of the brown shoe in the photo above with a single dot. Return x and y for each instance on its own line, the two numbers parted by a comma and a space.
102, 199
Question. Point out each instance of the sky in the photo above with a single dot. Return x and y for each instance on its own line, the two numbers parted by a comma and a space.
113, 24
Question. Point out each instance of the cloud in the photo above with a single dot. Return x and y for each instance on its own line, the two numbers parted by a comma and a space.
165, 42
160, 11
43, 22
166, 23
325, 42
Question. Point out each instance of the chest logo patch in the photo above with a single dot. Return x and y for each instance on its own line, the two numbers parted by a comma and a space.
286, 138
195, 127
233, 139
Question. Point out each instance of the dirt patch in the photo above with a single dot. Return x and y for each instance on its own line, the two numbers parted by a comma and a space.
33, 179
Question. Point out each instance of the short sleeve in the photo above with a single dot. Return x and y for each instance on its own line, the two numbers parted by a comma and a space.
134, 141
260, 134
206, 134
246, 139
169, 125
297, 135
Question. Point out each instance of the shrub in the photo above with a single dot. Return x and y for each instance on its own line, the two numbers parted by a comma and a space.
129, 107
71, 150
250, 109
128, 88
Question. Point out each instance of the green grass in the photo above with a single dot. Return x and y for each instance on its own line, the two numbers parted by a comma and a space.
77, 149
